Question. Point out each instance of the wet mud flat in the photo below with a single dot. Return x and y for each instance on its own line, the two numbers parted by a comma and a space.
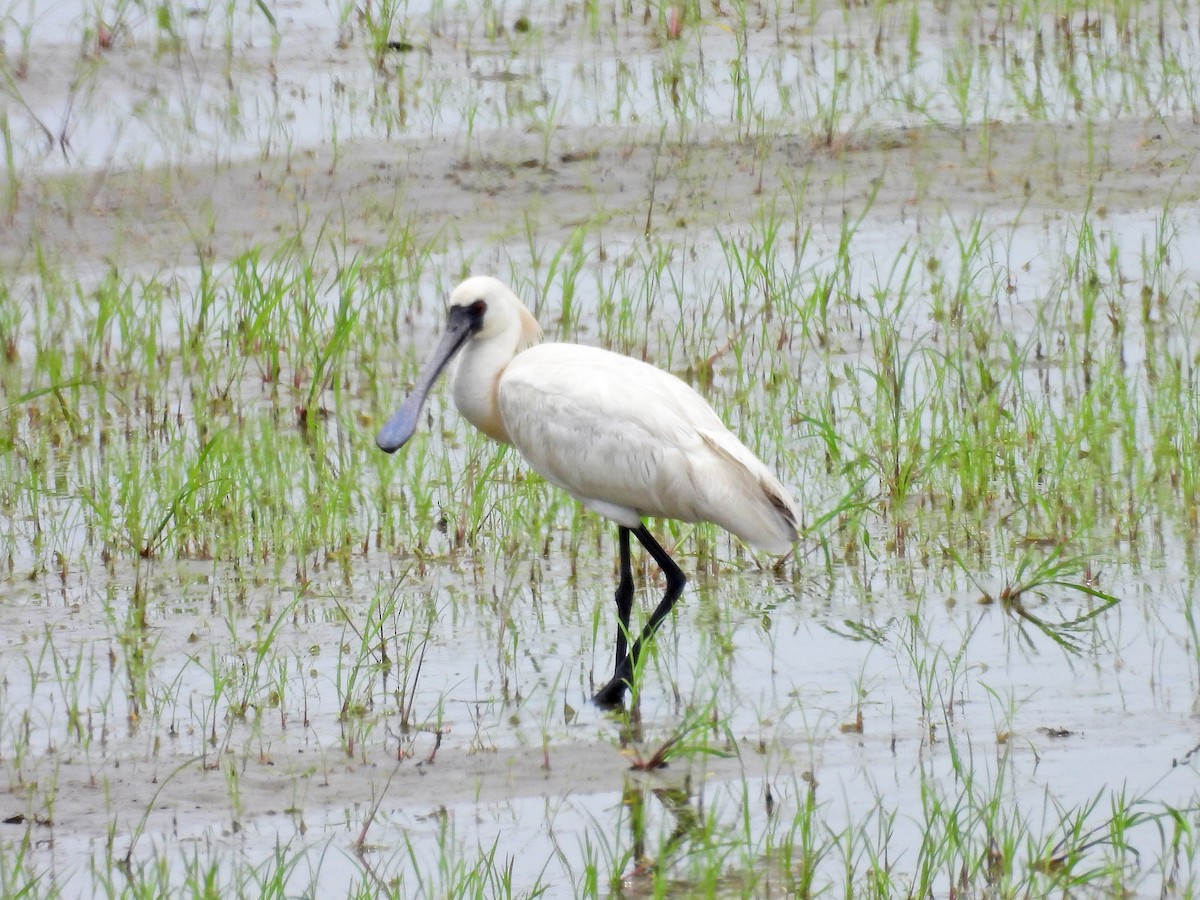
244, 646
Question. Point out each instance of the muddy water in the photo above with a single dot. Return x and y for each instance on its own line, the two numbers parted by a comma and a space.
869, 677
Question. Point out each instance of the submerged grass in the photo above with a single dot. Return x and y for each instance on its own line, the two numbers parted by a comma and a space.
211, 571
232, 447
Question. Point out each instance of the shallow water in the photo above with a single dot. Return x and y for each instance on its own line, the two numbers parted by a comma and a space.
255, 712
210, 85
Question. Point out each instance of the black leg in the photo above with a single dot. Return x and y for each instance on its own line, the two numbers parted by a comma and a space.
624, 599
675, 582
613, 693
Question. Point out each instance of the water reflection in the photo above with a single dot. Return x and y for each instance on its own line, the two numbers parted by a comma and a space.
683, 811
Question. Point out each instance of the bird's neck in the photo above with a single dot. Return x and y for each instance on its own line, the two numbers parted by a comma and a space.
477, 381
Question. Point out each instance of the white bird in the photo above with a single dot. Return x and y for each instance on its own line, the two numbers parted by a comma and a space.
622, 437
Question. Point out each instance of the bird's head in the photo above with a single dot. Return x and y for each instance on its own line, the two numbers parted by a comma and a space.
480, 309
491, 311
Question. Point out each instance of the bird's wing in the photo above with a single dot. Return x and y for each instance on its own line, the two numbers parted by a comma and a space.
630, 440
601, 426
746, 497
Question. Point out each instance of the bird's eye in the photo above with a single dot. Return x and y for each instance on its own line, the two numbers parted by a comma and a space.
475, 314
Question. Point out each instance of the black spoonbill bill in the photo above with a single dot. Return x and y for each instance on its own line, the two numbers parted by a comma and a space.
625, 439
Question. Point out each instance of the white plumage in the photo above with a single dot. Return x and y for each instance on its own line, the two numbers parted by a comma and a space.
631, 441
626, 439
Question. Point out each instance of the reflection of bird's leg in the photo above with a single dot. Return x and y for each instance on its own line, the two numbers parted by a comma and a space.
677, 802
614, 692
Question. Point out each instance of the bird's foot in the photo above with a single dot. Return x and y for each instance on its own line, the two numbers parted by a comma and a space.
612, 695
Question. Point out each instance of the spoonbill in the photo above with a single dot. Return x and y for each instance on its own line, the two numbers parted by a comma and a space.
625, 439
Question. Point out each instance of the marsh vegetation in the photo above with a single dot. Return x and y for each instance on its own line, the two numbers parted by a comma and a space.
933, 262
